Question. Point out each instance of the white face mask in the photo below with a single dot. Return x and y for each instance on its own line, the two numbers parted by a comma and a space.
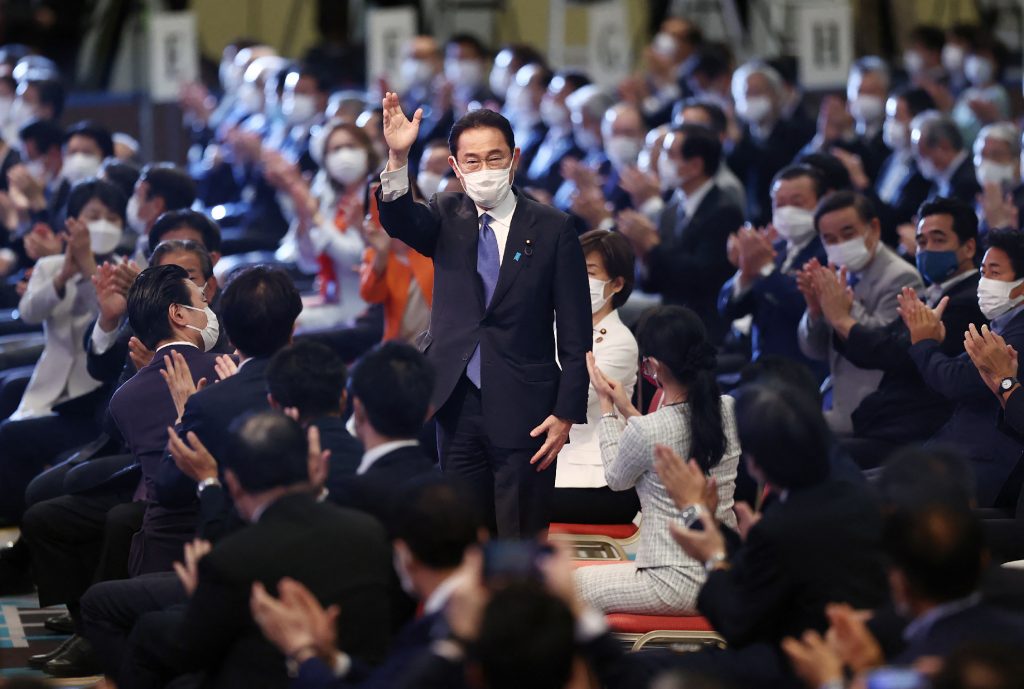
347, 165
499, 81
104, 236
793, 224
553, 114
597, 298
135, 223
415, 73
428, 182
665, 45
79, 166
211, 332
623, 151
913, 61
994, 297
37, 168
588, 140
466, 74
869, 109
989, 172
754, 110
953, 57
668, 173
299, 108
928, 169
895, 135
978, 70
249, 97
487, 188
6, 104
852, 255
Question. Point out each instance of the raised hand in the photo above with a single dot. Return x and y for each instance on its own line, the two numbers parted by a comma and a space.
140, 354
399, 131
805, 282
685, 482
192, 457
225, 367
188, 571
178, 377
836, 299
80, 247
112, 300
754, 252
994, 359
610, 392
317, 460
922, 322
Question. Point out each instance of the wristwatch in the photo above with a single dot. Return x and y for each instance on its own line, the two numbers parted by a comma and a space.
713, 562
1007, 384
206, 483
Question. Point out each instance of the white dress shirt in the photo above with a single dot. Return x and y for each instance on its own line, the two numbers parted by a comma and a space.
395, 183
370, 457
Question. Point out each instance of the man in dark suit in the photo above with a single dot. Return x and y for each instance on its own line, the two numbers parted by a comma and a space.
942, 157
545, 168
522, 107
430, 535
765, 284
904, 409
684, 258
973, 424
266, 461
505, 269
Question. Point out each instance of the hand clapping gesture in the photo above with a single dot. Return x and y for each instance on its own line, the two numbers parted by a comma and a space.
835, 298
610, 392
923, 323
994, 358
805, 282
296, 622
179, 381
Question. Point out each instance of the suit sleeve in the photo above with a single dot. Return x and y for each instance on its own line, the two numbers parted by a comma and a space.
885, 311
730, 306
40, 298
955, 378
214, 619
813, 336
108, 366
626, 455
574, 322
1013, 413
416, 224
877, 348
173, 488
694, 271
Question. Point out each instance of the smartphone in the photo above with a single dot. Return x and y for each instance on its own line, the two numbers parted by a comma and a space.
507, 560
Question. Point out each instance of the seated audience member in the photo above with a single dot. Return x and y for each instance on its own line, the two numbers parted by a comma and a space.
582, 495
587, 108
922, 58
942, 157
430, 535
123, 174
86, 145
866, 89
904, 409
434, 168
997, 164
325, 236
40, 191
522, 108
310, 378
985, 100
764, 285
422, 63
544, 172
973, 426
265, 456
998, 660
303, 103
695, 421
399, 278
58, 410
863, 291
768, 143
683, 258
711, 115
161, 187
817, 542
937, 554
507, 62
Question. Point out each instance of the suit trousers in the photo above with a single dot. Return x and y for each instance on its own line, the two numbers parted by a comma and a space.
514, 497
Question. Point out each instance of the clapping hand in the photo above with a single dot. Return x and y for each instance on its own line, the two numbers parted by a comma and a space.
641, 186
994, 359
140, 354
179, 381
639, 230
610, 392
296, 622
805, 282
589, 203
192, 458
188, 571
685, 482
317, 460
923, 323
400, 132
225, 367
813, 660
835, 298
754, 251
42, 241
849, 635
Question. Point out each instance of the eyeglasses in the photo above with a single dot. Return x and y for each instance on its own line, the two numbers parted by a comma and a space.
495, 162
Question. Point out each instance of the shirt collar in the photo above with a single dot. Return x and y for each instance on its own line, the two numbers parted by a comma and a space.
502, 213
1000, 322
691, 202
611, 319
176, 343
922, 624
935, 292
370, 457
946, 175
439, 598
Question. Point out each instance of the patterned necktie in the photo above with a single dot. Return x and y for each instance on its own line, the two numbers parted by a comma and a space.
487, 267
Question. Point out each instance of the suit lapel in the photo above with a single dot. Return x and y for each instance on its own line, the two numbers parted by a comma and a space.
467, 235
520, 232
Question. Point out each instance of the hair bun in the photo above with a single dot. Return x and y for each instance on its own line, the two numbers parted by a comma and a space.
702, 357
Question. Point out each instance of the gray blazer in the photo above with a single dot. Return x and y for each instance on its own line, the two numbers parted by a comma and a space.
874, 305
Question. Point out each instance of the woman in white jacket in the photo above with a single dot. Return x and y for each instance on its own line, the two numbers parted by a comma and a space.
58, 410
582, 495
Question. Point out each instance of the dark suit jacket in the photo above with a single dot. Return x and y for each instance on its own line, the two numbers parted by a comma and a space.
973, 425
375, 491
528, 150
545, 171
978, 623
820, 545
209, 413
690, 265
341, 555
912, 192
542, 281
346, 451
755, 162
963, 184
904, 409
777, 307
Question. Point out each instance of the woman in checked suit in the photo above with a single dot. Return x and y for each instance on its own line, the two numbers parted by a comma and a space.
694, 421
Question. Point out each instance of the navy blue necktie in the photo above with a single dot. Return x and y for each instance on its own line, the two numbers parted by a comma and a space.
487, 267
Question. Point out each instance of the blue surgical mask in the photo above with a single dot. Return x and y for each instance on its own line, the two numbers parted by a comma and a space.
936, 266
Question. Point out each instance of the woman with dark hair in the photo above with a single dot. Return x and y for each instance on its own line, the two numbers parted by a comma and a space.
695, 421
582, 495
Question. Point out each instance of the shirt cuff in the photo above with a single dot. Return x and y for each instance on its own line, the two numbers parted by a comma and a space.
102, 340
606, 224
652, 207
394, 184
590, 625
342, 664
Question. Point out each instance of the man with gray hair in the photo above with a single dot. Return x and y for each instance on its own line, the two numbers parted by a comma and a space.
866, 90
587, 106
942, 158
997, 164
769, 143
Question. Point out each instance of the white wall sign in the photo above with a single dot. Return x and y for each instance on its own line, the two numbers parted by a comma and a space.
387, 32
173, 54
824, 41
608, 43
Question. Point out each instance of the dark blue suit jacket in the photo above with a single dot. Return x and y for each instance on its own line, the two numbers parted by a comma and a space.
545, 171
978, 623
209, 413
777, 307
973, 425
543, 281
375, 491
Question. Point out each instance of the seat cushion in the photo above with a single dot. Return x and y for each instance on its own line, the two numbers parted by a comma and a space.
609, 530
641, 624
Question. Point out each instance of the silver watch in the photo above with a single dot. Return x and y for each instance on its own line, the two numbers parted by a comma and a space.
713, 562
206, 483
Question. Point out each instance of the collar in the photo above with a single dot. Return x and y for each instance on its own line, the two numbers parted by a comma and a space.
501, 213
999, 323
439, 598
794, 248
611, 319
691, 202
370, 457
935, 292
946, 175
923, 624
176, 343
